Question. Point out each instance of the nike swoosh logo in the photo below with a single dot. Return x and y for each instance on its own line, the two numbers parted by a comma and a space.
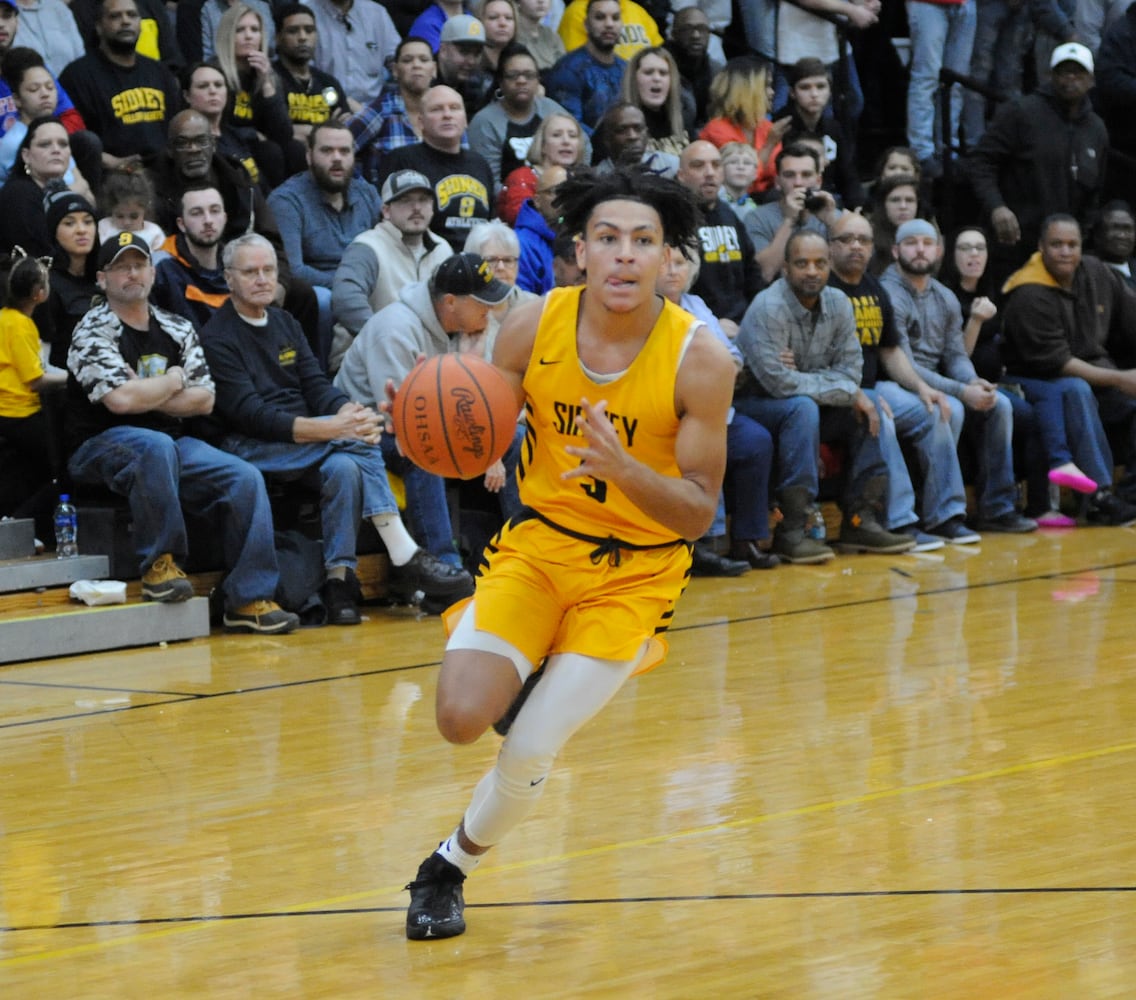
555, 361
533, 784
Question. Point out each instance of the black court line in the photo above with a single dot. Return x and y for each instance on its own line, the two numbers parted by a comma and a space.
599, 901
174, 698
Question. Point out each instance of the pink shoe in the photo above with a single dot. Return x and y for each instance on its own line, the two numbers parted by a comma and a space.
1055, 519
1074, 480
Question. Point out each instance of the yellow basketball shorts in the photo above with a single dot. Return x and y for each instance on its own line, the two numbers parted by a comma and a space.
540, 591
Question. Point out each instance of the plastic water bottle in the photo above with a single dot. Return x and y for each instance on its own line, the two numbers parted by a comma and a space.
814, 524
66, 529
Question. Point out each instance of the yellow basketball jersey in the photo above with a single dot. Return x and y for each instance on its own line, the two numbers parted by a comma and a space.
640, 405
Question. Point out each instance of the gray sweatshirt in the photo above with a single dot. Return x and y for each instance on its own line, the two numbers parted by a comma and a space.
930, 331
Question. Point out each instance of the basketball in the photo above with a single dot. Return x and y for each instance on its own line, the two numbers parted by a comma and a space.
455, 415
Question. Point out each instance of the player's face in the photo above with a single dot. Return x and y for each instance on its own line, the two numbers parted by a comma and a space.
918, 254
807, 268
410, 214
1061, 250
414, 68
203, 217
296, 39
252, 278
851, 245
76, 233
622, 251
971, 253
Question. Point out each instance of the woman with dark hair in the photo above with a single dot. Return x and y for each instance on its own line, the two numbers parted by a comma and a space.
42, 162
1041, 446
896, 202
71, 221
205, 90
503, 130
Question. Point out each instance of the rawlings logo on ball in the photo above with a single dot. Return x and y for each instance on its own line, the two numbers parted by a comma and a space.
466, 428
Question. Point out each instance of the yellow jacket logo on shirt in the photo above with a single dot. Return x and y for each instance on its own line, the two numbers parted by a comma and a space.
457, 185
287, 357
139, 104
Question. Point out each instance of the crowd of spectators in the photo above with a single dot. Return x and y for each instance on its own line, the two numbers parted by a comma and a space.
251, 214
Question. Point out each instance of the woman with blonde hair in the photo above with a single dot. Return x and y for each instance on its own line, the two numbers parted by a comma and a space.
740, 97
256, 99
559, 141
651, 82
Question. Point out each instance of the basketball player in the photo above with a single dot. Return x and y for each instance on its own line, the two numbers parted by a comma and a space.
626, 397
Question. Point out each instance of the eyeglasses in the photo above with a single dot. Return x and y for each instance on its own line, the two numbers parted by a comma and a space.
523, 75
501, 261
184, 143
847, 239
970, 247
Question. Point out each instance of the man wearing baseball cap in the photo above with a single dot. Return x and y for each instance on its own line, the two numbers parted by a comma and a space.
460, 49
138, 375
445, 314
379, 262
1041, 154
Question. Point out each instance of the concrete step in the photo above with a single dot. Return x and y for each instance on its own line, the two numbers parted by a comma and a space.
47, 571
75, 629
17, 538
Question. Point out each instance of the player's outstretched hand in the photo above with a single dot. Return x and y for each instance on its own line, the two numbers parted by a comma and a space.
603, 456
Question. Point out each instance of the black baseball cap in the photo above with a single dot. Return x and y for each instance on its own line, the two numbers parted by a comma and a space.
116, 246
468, 274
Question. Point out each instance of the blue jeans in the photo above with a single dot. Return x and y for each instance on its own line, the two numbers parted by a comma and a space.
749, 459
795, 424
1001, 36
1069, 424
350, 477
941, 35
323, 300
944, 495
159, 475
427, 511
997, 487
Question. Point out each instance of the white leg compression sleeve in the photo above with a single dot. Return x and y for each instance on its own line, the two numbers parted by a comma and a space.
573, 689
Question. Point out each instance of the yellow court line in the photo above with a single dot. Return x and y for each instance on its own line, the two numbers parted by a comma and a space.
737, 824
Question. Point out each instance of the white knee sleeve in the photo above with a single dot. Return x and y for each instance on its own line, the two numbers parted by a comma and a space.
573, 689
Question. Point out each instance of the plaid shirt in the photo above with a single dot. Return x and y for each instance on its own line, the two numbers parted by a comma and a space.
383, 125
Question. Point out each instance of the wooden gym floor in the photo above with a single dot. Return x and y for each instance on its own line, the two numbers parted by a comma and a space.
887, 777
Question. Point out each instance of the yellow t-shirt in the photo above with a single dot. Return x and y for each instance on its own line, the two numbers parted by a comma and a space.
640, 405
639, 28
20, 364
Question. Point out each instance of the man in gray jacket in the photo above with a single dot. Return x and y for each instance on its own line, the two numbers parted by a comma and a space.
799, 341
449, 312
929, 321
380, 262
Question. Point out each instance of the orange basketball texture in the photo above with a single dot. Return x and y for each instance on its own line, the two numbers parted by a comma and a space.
454, 415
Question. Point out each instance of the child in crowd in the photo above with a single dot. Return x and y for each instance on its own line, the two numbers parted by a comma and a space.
739, 171
128, 198
24, 423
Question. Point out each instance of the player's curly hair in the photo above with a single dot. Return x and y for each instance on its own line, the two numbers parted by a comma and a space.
578, 196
